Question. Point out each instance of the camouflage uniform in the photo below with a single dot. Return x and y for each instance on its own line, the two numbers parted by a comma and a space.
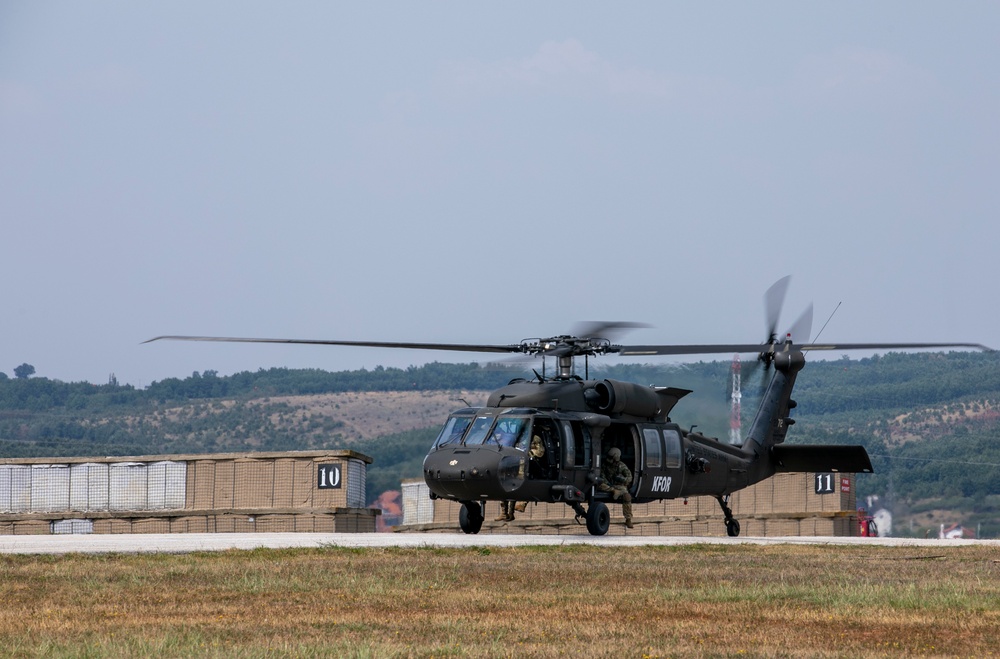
616, 478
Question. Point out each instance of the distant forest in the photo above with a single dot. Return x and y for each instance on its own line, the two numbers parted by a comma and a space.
929, 420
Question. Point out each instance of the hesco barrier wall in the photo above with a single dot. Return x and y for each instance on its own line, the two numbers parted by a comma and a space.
805, 504
315, 491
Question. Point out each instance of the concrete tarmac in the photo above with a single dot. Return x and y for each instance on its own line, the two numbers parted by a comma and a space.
199, 542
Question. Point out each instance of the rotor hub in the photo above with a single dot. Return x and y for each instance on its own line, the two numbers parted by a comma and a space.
566, 346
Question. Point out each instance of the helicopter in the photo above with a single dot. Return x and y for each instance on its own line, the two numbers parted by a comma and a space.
544, 439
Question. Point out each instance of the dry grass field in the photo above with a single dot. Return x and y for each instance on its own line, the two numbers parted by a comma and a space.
697, 600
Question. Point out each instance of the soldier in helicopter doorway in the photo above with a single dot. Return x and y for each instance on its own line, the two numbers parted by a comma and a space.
616, 478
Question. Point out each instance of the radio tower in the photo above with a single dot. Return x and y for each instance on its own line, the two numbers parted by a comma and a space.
735, 426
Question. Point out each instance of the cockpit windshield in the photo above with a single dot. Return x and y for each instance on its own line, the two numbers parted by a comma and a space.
479, 431
453, 430
511, 431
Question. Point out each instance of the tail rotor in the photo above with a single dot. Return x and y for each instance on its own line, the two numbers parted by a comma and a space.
774, 300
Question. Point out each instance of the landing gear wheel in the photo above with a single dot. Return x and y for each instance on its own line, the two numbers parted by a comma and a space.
598, 518
732, 525
470, 517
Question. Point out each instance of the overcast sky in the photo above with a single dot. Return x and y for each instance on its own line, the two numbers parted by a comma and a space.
482, 173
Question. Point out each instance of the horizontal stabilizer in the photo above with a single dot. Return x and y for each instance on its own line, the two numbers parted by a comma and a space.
669, 397
849, 459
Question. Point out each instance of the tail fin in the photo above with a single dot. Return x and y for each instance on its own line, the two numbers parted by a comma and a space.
770, 425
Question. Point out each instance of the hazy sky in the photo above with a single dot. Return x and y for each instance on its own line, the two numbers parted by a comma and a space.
482, 173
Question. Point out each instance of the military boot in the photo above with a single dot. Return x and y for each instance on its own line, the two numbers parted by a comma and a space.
506, 512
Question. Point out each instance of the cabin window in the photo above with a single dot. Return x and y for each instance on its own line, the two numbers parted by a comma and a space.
452, 431
672, 441
652, 441
569, 445
582, 434
479, 431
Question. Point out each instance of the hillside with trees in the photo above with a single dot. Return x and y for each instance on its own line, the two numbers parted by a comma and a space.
929, 420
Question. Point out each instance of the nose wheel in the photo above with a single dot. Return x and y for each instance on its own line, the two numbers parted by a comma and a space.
732, 525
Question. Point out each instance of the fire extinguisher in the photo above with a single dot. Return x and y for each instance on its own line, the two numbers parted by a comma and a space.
867, 524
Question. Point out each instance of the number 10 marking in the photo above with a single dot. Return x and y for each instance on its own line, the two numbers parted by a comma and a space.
328, 476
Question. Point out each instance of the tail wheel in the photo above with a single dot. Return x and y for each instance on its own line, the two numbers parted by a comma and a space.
598, 518
732, 528
470, 517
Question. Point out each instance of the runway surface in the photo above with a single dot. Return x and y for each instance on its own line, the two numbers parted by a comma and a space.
195, 542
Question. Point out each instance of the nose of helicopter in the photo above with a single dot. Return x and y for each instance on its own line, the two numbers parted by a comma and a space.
469, 473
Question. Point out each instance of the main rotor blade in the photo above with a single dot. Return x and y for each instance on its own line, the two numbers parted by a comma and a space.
710, 349
891, 346
457, 347
704, 349
608, 329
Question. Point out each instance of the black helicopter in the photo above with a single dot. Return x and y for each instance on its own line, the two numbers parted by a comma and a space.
485, 453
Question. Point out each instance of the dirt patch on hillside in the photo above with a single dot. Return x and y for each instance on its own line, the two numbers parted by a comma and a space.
915, 425
366, 415
306, 422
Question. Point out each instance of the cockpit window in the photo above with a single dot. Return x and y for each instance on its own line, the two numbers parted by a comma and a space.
479, 431
453, 430
511, 431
